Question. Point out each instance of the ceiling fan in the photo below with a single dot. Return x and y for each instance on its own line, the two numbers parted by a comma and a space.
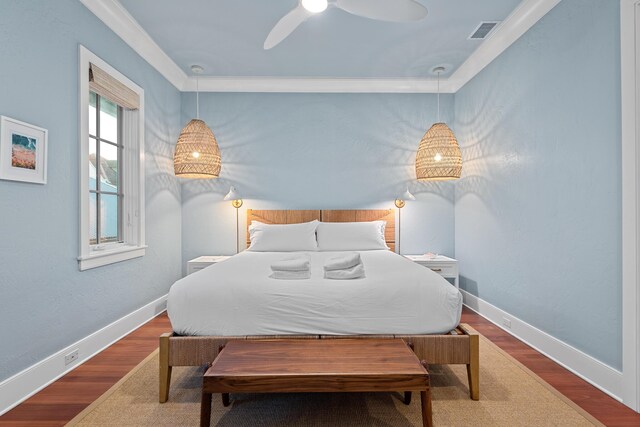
381, 10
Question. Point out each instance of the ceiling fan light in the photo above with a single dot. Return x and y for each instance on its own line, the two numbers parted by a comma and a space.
315, 6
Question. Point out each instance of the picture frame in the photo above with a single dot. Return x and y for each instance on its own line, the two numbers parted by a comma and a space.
23, 151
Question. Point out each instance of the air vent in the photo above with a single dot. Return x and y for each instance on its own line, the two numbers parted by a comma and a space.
483, 30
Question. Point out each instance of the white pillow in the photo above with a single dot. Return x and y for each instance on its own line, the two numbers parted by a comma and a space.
351, 236
283, 237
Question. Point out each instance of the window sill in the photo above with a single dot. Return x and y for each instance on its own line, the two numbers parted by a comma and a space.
106, 257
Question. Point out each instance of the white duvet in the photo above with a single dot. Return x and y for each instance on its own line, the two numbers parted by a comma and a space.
237, 297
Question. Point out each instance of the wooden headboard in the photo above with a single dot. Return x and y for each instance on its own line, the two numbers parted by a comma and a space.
298, 216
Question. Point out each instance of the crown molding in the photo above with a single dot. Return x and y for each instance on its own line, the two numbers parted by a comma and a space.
116, 17
314, 85
524, 16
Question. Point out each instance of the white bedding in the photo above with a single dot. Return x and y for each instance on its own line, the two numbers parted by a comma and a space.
236, 297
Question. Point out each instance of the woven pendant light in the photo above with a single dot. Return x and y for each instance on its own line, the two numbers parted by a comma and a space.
197, 154
438, 156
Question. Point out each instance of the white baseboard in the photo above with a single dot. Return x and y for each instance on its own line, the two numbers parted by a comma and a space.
26, 383
600, 375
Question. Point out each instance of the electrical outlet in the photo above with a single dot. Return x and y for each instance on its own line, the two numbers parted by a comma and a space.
506, 322
71, 357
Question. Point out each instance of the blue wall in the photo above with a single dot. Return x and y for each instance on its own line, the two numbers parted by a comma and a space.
311, 151
45, 302
538, 211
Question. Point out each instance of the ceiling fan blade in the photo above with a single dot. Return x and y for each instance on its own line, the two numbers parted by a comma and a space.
286, 25
385, 10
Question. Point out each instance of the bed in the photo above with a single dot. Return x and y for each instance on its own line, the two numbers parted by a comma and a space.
235, 299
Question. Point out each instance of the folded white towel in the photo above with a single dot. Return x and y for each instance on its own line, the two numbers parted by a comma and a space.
291, 275
299, 263
342, 262
355, 272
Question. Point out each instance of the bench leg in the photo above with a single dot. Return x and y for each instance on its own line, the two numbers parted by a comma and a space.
425, 397
225, 400
473, 368
425, 400
407, 394
205, 410
407, 398
165, 369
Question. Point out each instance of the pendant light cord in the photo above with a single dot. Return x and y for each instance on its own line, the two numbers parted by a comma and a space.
197, 96
438, 96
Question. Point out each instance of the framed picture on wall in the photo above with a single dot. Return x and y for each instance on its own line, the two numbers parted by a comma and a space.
23, 151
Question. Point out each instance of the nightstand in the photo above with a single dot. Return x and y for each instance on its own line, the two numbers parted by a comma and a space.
201, 262
444, 266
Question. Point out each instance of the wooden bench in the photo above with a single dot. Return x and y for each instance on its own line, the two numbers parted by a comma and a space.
345, 365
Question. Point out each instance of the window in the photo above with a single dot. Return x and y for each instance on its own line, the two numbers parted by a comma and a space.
105, 164
111, 165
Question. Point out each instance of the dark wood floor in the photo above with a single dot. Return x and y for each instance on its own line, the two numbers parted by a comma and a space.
62, 400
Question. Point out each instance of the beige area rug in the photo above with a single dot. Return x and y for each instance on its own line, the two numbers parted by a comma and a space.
510, 395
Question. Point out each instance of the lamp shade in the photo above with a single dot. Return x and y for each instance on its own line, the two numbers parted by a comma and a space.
233, 194
407, 196
402, 199
439, 156
197, 154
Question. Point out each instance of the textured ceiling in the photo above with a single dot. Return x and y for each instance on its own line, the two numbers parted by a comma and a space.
226, 38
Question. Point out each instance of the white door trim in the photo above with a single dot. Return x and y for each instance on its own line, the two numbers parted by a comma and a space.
630, 88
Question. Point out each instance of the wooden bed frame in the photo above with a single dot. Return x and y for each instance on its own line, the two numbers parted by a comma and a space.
459, 346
